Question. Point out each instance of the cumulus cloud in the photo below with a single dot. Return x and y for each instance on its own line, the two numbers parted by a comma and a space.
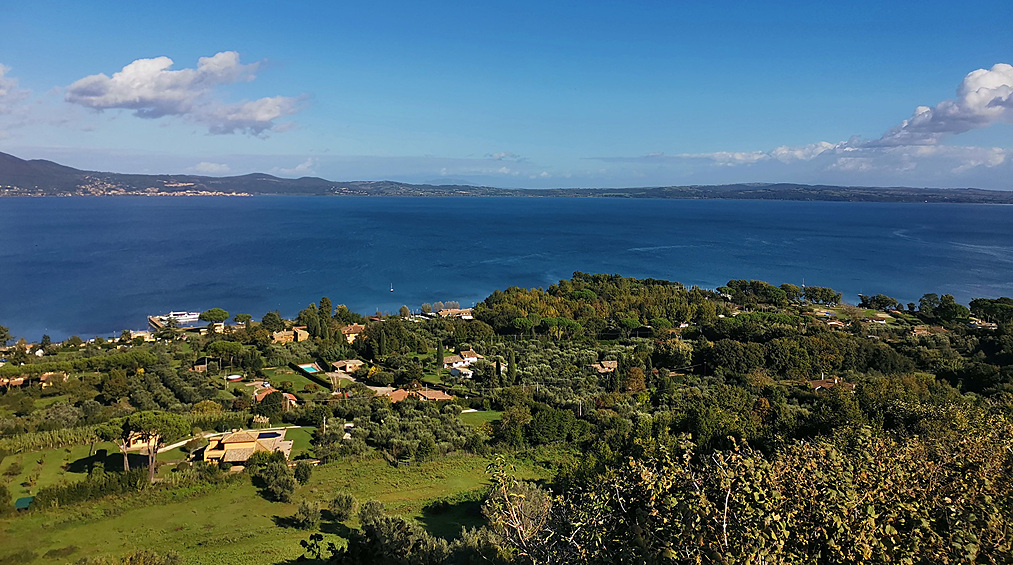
152, 89
10, 94
910, 153
302, 169
207, 168
984, 97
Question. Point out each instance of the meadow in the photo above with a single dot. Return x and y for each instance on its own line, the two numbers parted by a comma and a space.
232, 523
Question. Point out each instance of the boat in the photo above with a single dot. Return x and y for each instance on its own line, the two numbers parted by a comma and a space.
183, 317
392, 287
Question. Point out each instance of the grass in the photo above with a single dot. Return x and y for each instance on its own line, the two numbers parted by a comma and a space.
45, 468
481, 417
233, 524
301, 438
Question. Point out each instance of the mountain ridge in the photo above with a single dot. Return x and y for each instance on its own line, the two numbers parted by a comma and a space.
39, 177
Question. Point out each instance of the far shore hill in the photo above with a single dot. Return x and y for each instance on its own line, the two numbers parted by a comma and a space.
19, 177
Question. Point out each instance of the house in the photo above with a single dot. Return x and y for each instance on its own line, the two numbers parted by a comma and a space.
461, 372
47, 379
146, 336
462, 313
347, 365
237, 447
423, 395
300, 333
463, 359
289, 397
605, 367
352, 331
835, 323
285, 336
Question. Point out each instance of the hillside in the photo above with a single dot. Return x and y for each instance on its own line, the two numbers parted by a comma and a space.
19, 177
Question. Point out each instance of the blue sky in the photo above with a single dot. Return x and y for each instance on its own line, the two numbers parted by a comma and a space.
539, 94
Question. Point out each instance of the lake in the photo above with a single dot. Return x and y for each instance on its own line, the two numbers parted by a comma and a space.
95, 266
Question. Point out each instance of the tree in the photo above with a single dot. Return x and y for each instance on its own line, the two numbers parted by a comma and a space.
949, 310
303, 472
214, 315
512, 369
272, 322
927, 304
404, 311
439, 356
115, 431
272, 405
326, 310
242, 318
277, 480
156, 429
5, 336
223, 349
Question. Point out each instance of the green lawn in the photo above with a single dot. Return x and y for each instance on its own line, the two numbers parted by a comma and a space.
481, 417
44, 468
276, 375
233, 524
301, 438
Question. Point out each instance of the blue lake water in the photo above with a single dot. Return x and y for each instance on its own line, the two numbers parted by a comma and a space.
95, 266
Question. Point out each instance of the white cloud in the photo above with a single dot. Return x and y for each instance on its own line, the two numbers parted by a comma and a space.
10, 94
152, 90
984, 97
302, 169
205, 167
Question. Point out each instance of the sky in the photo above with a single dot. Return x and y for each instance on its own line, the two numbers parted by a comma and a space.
520, 94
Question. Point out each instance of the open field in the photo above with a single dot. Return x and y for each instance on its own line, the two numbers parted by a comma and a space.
234, 524
52, 466
481, 417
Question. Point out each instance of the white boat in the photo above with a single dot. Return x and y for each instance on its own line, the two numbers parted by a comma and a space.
184, 317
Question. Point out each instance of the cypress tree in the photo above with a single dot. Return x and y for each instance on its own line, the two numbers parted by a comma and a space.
512, 368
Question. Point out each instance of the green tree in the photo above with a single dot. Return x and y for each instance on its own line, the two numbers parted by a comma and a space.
277, 481
115, 431
272, 322
511, 368
242, 318
5, 336
225, 349
214, 315
272, 405
156, 429
326, 309
303, 472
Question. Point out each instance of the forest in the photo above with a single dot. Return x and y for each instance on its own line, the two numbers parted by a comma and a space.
618, 420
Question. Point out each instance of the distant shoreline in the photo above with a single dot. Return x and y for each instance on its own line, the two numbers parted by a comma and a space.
34, 178
856, 199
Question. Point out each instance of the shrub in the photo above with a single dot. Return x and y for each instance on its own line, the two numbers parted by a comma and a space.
343, 506
371, 511
307, 516
303, 472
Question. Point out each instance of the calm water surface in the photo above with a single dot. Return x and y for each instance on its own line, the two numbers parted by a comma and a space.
94, 266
